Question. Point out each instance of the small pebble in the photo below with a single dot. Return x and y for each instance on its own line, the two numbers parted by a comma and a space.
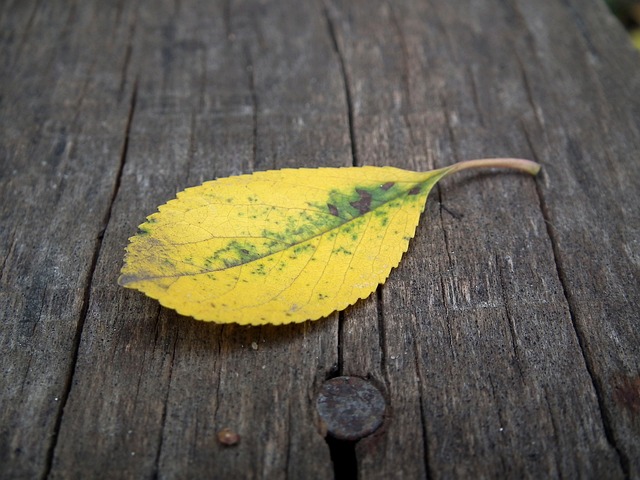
254, 345
228, 437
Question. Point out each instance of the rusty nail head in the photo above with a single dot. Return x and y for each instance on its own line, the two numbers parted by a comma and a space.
350, 407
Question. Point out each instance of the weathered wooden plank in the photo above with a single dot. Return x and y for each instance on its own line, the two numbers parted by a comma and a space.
221, 89
62, 119
484, 332
505, 342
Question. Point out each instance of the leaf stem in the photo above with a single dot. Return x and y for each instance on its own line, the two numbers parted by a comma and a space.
514, 163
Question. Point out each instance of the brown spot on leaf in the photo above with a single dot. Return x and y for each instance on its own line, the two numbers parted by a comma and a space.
333, 210
363, 204
626, 392
387, 185
414, 191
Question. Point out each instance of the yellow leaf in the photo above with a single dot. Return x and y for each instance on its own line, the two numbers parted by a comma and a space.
282, 246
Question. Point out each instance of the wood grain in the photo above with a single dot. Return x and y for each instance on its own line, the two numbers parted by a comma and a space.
505, 343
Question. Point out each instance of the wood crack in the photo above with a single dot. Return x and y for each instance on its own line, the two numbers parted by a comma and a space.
221, 340
287, 457
421, 403
510, 321
347, 87
582, 28
26, 375
124, 151
75, 344
12, 246
445, 304
607, 422
163, 417
501, 419
528, 89
405, 74
127, 60
43, 304
445, 236
382, 335
341, 326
